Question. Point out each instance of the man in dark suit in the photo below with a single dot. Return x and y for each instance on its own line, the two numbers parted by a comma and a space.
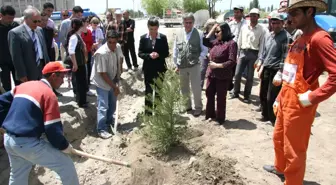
48, 34
6, 64
28, 48
129, 45
153, 49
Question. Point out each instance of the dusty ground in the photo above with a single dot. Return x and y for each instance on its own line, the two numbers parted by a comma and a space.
213, 154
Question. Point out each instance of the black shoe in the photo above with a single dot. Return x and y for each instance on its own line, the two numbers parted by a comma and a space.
221, 121
263, 119
85, 105
246, 100
271, 169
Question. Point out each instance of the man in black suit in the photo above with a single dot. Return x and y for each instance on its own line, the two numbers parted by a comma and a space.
6, 24
129, 45
153, 49
48, 34
28, 48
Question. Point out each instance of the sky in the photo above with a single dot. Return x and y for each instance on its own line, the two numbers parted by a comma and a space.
99, 6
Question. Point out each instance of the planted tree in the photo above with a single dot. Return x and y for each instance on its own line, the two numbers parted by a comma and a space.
165, 127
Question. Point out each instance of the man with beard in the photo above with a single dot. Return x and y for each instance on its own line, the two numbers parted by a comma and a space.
296, 104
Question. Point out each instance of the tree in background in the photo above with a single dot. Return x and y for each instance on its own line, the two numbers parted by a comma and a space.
158, 7
135, 14
272, 8
211, 6
194, 5
254, 4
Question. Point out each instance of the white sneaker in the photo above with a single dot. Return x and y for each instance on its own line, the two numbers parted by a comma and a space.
89, 93
104, 134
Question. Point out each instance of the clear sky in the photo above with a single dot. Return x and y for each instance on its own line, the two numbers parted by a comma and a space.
99, 6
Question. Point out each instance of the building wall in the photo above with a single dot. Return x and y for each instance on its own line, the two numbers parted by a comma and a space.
21, 5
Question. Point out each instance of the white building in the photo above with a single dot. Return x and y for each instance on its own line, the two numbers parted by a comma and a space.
21, 5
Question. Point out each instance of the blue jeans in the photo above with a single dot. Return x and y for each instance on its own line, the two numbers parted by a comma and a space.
24, 152
107, 103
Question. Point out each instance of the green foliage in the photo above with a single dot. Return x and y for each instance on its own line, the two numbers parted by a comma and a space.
254, 4
194, 5
135, 14
166, 127
157, 7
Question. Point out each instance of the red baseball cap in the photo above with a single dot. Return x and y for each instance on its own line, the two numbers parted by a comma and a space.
54, 67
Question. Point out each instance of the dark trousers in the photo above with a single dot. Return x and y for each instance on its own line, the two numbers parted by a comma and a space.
219, 88
79, 84
149, 78
52, 56
268, 93
130, 48
247, 59
89, 67
6, 77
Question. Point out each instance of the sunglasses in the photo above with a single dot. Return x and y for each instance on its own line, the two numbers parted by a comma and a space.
36, 21
65, 15
217, 31
94, 23
275, 23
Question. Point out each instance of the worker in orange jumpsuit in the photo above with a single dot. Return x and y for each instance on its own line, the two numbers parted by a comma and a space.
300, 95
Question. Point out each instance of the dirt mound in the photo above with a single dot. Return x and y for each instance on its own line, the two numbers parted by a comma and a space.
207, 170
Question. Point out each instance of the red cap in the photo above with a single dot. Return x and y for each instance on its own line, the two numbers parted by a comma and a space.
54, 67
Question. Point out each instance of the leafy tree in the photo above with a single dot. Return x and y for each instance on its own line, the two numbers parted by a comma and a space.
272, 8
194, 5
157, 7
255, 4
135, 14
211, 6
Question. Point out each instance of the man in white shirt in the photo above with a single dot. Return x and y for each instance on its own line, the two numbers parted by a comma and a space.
238, 22
250, 42
105, 74
188, 60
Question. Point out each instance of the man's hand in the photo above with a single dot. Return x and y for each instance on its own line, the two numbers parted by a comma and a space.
257, 65
129, 30
116, 91
24, 79
68, 150
177, 70
260, 71
154, 55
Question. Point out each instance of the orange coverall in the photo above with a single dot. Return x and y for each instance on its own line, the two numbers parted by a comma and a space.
293, 124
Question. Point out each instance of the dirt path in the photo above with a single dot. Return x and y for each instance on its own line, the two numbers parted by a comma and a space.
229, 154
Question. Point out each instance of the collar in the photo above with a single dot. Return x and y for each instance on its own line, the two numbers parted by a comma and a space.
257, 25
46, 82
189, 32
27, 27
157, 37
241, 21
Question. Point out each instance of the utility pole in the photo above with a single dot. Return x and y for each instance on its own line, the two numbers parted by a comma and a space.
230, 4
107, 6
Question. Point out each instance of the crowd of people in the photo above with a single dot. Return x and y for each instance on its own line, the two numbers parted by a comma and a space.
288, 57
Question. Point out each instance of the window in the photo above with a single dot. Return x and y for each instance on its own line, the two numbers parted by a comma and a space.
332, 5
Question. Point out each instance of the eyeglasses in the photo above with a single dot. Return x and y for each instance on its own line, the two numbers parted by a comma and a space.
275, 23
65, 15
94, 23
36, 21
188, 22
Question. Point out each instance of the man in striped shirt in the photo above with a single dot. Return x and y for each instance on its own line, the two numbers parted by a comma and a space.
28, 111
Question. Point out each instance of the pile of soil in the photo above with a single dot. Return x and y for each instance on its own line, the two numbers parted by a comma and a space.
207, 170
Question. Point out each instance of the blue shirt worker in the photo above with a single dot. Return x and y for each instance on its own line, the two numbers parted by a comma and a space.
28, 111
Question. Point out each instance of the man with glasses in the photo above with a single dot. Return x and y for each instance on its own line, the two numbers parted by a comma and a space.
28, 111
270, 66
187, 53
250, 43
27, 47
295, 108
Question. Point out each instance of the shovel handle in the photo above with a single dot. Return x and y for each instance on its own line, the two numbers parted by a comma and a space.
120, 163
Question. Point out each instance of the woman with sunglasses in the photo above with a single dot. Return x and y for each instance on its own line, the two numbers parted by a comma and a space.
222, 56
97, 34
76, 57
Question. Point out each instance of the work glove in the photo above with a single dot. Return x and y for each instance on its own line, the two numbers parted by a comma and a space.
68, 150
277, 80
304, 99
275, 107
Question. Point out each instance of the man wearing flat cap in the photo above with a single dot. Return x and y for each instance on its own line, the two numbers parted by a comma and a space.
296, 104
238, 22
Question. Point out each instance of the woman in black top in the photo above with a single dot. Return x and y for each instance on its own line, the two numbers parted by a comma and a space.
76, 58
153, 49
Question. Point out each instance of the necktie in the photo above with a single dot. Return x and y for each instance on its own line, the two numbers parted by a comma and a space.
36, 47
